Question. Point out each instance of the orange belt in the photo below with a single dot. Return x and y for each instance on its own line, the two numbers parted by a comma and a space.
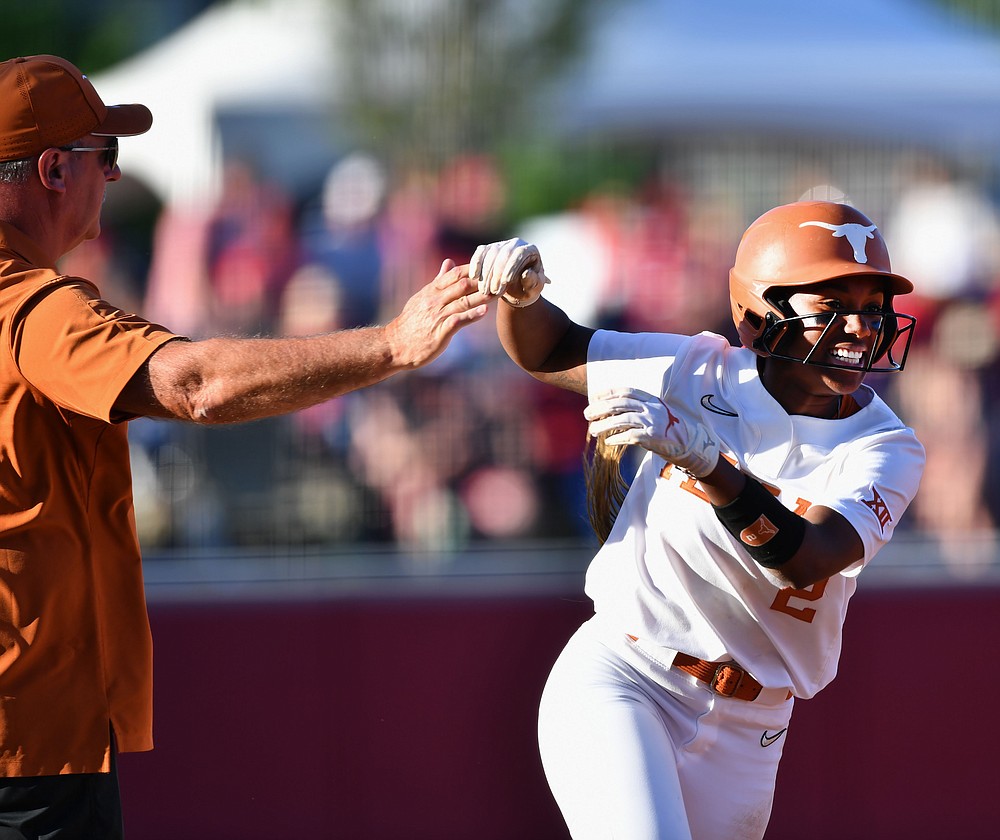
725, 678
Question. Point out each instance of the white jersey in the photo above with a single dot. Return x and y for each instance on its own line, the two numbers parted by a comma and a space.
671, 575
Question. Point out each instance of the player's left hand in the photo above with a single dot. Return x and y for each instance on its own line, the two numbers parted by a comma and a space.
633, 416
511, 269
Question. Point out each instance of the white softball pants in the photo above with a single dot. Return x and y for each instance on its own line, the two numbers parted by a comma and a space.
636, 751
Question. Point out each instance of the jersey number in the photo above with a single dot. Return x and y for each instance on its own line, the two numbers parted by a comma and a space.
783, 600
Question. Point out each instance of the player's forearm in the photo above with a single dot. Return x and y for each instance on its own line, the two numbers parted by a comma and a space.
233, 380
542, 340
829, 544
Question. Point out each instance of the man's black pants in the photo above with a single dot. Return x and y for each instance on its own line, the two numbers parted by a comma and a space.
84, 806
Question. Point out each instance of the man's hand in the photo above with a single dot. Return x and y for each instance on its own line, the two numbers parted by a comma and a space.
633, 416
429, 319
511, 270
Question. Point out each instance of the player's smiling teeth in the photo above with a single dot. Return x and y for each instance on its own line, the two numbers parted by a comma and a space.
851, 356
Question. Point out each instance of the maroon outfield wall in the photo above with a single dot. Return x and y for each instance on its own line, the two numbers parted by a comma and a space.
409, 717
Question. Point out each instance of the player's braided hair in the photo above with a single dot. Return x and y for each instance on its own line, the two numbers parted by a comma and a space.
606, 487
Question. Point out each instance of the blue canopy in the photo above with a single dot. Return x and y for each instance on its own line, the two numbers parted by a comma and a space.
884, 69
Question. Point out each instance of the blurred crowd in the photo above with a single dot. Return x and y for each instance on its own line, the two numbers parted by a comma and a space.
470, 448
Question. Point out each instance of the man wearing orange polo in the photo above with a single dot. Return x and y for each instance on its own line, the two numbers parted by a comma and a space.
75, 648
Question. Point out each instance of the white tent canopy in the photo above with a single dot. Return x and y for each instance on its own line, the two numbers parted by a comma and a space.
881, 69
268, 55
877, 69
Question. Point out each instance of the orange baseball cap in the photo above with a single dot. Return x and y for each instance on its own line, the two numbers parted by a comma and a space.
46, 101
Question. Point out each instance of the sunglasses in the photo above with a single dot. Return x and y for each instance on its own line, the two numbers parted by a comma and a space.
110, 151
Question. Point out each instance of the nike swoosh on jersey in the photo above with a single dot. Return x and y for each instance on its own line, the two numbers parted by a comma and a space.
708, 401
767, 739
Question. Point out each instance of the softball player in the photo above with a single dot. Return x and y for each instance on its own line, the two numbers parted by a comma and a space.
771, 477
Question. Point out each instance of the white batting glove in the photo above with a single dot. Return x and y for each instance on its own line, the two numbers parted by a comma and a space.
510, 269
633, 416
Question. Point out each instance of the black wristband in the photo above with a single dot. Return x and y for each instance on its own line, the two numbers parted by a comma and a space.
769, 531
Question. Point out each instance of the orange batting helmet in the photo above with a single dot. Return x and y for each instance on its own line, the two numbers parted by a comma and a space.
802, 244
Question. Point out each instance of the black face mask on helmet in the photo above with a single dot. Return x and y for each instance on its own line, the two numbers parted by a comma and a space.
893, 334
